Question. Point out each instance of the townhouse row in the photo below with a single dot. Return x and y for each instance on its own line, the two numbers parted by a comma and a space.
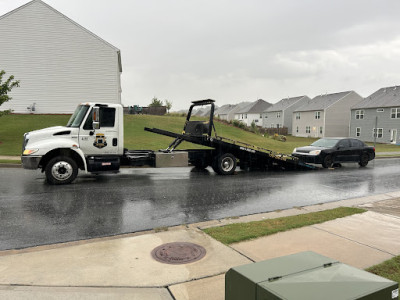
344, 114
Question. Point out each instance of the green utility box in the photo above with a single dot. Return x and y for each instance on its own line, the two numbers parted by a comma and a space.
305, 276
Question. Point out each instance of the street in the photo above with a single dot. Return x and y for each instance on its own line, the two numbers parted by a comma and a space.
35, 213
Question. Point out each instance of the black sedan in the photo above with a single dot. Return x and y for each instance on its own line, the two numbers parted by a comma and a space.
328, 151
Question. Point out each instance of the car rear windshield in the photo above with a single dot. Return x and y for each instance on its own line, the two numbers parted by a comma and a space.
328, 143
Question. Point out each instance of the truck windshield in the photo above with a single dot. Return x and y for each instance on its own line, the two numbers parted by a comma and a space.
78, 116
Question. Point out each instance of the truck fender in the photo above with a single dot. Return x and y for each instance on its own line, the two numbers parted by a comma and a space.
61, 146
82, 155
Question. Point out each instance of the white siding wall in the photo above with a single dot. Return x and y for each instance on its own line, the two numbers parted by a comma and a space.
337, 120
247, 119
59, 64
307, 119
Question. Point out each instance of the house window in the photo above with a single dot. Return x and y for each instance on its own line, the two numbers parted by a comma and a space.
298, 116
395, 113
260, 116
358, 131
359, 114
297, 129
380, 110
378, 134
245, 116
308, 129
265, 116
317, 115
256, 121
278, 114
320, 130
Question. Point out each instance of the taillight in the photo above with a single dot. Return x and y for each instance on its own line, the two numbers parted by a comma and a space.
374, 149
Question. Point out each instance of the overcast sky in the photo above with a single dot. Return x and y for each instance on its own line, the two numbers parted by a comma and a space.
233, 51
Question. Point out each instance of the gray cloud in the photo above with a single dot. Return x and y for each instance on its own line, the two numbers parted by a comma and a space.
235, 50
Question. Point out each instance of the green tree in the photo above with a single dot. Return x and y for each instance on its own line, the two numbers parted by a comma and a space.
156, 102
168, 105
6, 87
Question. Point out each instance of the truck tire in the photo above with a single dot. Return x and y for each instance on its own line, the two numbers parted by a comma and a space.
225, 164
61, 170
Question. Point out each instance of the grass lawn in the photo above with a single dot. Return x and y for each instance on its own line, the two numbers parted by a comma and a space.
12, 128
239, 232
389, 269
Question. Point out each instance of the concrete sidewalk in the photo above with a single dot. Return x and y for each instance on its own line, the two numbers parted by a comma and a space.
122, 267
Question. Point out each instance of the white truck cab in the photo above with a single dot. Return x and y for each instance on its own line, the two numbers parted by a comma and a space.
91, 141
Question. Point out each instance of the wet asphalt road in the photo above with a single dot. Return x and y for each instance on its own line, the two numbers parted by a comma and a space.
35, 213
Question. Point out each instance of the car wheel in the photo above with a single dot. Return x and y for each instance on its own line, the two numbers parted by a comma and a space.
327, 162
61, 170
225, 164
363, 160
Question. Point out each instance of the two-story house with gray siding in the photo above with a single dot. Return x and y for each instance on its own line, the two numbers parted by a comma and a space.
58, 62
325, 115
377, 114
252, 112
280, 114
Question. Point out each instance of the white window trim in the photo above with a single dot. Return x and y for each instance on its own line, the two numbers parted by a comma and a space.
396, 112
379, 134
358, 131
359, 115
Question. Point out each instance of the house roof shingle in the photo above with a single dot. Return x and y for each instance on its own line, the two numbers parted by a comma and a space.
322, 102
284, 104
384, 97
225, 109
255, 107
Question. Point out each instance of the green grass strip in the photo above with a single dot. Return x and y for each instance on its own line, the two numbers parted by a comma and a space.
389, 269
9, 161
238, 232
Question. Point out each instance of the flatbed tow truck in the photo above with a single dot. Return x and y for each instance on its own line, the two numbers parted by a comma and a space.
93, 142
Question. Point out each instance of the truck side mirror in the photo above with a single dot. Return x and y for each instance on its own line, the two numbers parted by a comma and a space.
96, 117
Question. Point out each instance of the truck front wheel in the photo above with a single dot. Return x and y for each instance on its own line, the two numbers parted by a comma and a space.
61, 170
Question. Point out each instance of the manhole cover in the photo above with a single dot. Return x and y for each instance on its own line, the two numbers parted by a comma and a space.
178, 253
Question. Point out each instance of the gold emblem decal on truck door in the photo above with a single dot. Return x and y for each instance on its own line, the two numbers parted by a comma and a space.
100, 141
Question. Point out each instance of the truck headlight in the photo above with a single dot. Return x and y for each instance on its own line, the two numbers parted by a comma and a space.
30, 151
294, 150
315, 152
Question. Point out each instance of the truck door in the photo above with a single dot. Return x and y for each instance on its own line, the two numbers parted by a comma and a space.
103, 141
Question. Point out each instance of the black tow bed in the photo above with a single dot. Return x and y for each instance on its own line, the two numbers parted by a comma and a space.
249, 156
